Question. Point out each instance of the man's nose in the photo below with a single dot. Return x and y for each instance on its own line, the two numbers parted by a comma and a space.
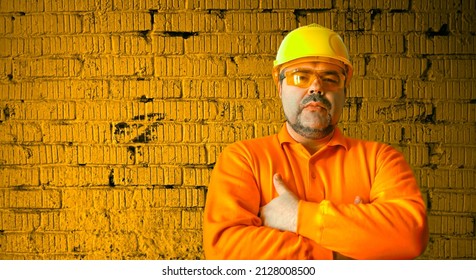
316, 86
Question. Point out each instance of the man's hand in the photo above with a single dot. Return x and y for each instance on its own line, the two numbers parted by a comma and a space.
281, 212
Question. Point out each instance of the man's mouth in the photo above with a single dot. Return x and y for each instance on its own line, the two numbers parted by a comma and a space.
315, 106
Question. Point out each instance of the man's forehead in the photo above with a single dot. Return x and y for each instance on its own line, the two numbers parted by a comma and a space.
317, 65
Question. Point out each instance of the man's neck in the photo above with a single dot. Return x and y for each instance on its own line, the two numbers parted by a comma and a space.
311, 145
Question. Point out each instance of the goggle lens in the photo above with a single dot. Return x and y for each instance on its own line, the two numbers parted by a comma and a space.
303, 78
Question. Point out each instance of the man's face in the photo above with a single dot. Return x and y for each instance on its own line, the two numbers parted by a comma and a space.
313, 97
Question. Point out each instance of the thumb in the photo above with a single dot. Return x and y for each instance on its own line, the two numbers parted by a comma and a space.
279, 184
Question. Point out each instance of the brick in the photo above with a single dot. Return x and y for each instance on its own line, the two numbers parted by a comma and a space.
360, 66
375, 89
78, 133
6, 68
5, 46
127, 89
219, 88
452, 156
192, 219
19, 221
390, 111
189, 67
296, 4
166, 44
118, 66
98, 44
107, 245
15, 242
36, 154
450, 248
166, 5
148, 132
184, 244
96, 198
418, 44
116, 22
249, 65
6, 24
41, 90
435, 20
46, 67
217, 133
233, 44
454, 68
139, 198
224, 5
184, 24
40, 110
265, 88
353, 20
416, 155
76, 220
102, 154
440, 90
436, 5
451, 225
36, 24
380, 132
265, 129
70, 176
30, 199
395, 22
14, 132
322, 17
19, 177
375, 43
445, 178
448, 134
33, 6
145, 175
374, 4
213, 152
174, 154
137, 221
452, 201
396, 67
459, 112
196, 176
248, 110
252, 22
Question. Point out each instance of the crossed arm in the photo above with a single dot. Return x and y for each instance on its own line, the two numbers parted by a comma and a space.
392, 225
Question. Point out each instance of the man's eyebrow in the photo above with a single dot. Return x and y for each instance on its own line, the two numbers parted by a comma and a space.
309, 69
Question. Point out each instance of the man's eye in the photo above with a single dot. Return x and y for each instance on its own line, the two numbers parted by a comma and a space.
300, 78
330, 79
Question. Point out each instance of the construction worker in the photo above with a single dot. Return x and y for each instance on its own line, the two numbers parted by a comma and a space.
309, 192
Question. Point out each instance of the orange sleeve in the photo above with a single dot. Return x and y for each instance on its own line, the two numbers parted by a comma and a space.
232, 228
392, 225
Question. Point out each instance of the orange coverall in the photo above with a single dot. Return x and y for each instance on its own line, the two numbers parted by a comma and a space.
391, 222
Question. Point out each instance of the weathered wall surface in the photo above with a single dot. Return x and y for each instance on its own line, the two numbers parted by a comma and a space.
113, 113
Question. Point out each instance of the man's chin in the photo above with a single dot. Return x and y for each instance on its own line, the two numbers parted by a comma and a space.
313, 132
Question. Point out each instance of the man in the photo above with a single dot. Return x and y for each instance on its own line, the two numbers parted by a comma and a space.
309, 192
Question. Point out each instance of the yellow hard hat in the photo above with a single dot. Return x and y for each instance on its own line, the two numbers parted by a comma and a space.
312, 43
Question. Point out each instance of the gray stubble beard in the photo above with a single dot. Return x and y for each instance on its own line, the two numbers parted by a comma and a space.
311, 133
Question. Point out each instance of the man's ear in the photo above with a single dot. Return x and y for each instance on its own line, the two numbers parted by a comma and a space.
280, 88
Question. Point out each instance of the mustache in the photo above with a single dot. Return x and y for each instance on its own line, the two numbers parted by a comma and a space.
317, 98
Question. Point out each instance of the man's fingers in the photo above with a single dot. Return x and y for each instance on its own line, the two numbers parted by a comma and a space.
357, 200
279, 184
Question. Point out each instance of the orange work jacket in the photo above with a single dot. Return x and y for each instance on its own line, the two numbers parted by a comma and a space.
391, 222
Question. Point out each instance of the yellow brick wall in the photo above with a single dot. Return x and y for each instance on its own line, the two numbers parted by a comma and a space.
113, 113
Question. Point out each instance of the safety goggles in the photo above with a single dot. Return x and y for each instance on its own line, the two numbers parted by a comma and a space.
331, 80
